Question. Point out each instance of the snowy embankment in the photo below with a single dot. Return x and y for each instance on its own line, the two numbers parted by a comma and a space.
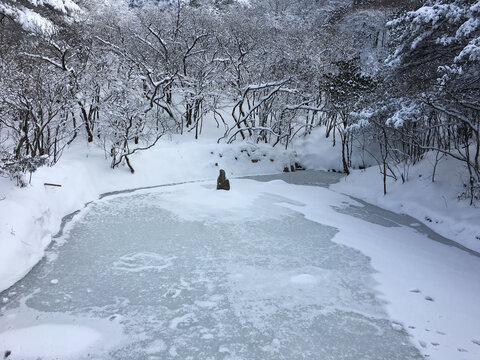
29, 217
436, 204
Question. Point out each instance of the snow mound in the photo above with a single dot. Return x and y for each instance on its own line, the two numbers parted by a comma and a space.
49, 341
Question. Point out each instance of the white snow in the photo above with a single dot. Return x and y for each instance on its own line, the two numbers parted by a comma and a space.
412, 269
29, 217
316, 152
49, 340
436, 204
29, 20
55, 335
406, 259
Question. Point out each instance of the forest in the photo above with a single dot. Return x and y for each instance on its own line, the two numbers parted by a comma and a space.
386, 80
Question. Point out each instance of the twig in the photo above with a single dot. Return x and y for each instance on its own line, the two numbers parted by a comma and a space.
56, 185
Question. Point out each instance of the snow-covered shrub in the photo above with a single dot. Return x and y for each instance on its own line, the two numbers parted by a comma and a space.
16, 169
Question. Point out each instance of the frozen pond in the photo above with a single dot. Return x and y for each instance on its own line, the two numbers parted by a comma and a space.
134, 279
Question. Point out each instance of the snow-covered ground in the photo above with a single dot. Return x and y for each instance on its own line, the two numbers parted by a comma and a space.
436, 204
429, 289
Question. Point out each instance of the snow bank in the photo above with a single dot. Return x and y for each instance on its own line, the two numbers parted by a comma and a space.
436, 204
57, 335
30, 216
49, 340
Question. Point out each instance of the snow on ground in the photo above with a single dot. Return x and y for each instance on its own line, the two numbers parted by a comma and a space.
430, 289
29, 217
436, 204
316, 152
56, 335
50, 340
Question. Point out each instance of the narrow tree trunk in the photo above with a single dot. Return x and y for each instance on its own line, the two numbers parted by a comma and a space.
344, 160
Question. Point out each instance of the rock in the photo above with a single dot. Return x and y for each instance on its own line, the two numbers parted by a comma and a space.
298, 166
222, 181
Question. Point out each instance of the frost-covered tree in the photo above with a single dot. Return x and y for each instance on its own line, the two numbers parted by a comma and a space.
437, 57
39, 16
121, 74
34, 99
345, 90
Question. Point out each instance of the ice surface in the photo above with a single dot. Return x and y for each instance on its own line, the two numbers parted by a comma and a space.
305, 177
256, 281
